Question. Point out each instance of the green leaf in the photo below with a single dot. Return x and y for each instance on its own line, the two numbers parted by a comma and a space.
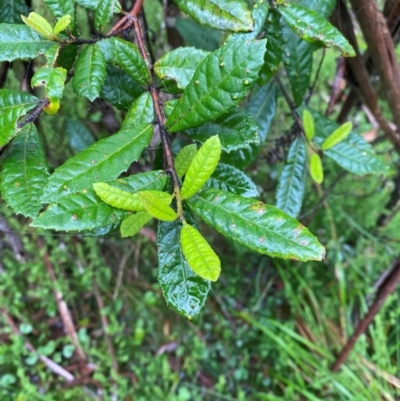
297, 58
179, 65
262, 106
78, 212
242, 157
353, 154
107, 46
316, 170
62, 24
103, 14
53, 79
18, 41
141, 111
103, 161
119, 88
130, 60
337, 136
59, 8
260, 227
292, 182
184, 158
94, 4
118, 198
198, 253
236, 130
198, 35
308, 125
220, 82
230, 179
13, 10
202, 166
67, 56
39, 24
78, 134
90, 72
133, 224
13, 105
321, 7
157, 206
24, 172
226, 15
313, 28
182, 288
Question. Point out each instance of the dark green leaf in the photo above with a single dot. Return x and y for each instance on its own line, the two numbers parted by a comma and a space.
260, 227
321, 7
141, 111
93, 4
90, 72
226, 15
107, 46
59, 8
103, 161
179, 65
11, 11
292, 182
236, 130
313, 28
19, 41
78, 134
24, 172
120, 89
242, 157
230, 179
67, 56
220, 82
197, 35
13, 105
133, 224
103, 14
183, 290
353, 154
297, 57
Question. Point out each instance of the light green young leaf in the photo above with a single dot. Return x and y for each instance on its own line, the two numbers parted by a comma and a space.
313, 28
308, 125
156, 204
198, 253
337, 136
103, 161
202, 166
39, 24
220, 82
292, 182
62, 24
103, 14
184, 158
13, 105
118, 198
24, 172
316, 170
133, 224
260, 227
19, 41
226, 15
59, 8
179, 65
90, 72
131, 61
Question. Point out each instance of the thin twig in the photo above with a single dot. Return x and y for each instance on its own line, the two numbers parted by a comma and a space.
35, 113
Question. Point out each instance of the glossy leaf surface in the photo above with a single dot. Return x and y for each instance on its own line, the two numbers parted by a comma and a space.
202, 166
292, 182
78, 134
199, 254
93, 4
316, 170
220, 82
103, 161
313, 28
133, 224
260, 227
308, 125
103, 14
230, 179
62, 24
13, 105
24, 172
19, 41
39, 24
226, 15
90, 72
141, 111
157, 206
59, 8
118, 198
130, 60
337, 136
235, 130
184, 158
179, 65
183, 290
11, 14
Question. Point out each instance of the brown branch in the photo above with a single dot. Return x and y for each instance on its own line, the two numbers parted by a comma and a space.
128, 20
35, 113
386, 288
